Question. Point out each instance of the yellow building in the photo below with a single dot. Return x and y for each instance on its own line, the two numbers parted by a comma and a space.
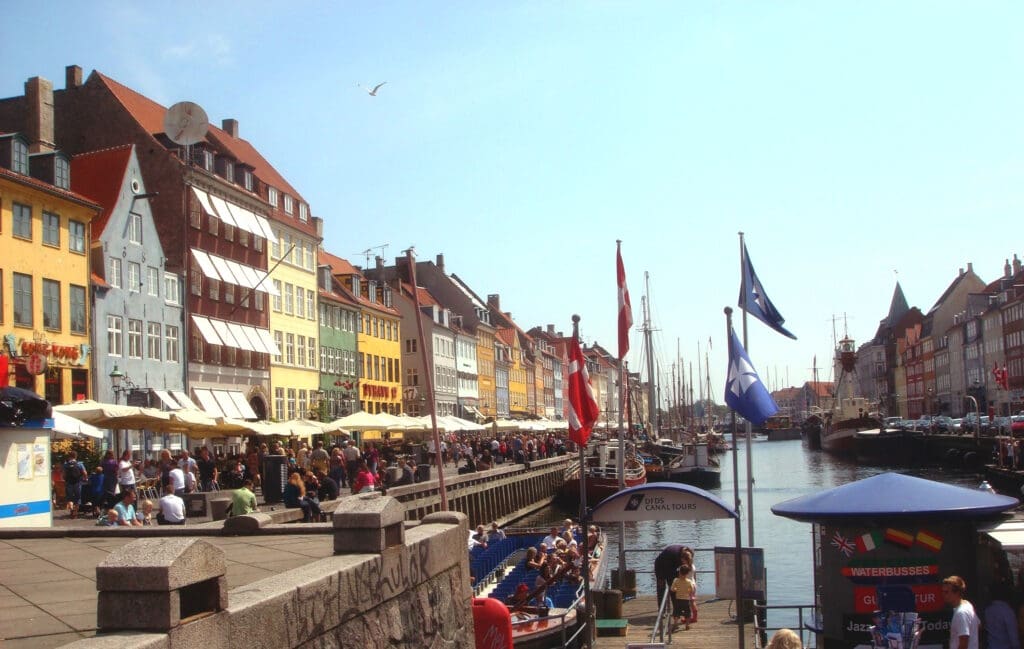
44, 275
488, 401
518, 401
295, 374
378, 339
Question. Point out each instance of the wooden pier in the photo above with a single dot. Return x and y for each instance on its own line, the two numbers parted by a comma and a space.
715, 630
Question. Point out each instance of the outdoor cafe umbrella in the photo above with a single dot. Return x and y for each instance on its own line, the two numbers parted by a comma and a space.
362, 421
106, 415
67, 426
453, 423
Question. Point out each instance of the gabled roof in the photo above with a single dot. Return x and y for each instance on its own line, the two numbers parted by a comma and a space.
150, 115
338, 265
506, 335
820, 388
46, 187
100, 174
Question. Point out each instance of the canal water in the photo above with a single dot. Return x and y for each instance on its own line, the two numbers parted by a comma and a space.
781, 471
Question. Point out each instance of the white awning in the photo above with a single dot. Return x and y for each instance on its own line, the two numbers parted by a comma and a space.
205, 264
227, 406
254, 339
183, 400
243, 341
204, 200
167, 399
206, 330
209, 402
243, 406
267, 285
245, 219
222, 210
268, 342
265, 226
238, 270
222, 330
224, 270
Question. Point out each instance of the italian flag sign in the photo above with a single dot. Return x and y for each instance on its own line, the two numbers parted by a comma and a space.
869, 541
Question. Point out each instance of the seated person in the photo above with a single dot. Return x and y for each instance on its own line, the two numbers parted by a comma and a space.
534, 559
172, 507
145, 514
126, 511
109, 519
551, 539
236, 474
328, 487
243, 500
294, 496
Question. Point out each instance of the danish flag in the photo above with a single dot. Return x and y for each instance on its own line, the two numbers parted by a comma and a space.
583, 410
1001, 376
625, 308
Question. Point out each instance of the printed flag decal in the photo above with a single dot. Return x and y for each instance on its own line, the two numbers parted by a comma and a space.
899, 537
868, 542
843, 544
929, 540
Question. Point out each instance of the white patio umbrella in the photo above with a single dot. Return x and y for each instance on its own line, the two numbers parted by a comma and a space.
454, 423
68, 426
362, 421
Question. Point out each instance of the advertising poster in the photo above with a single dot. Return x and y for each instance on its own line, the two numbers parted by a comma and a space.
24, 462
39, 460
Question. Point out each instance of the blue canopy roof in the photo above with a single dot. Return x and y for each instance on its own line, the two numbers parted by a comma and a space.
895, 495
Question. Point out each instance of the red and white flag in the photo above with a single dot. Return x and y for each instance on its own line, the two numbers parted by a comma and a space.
583, 410
625, 308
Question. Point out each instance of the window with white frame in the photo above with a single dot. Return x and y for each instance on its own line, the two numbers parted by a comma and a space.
301, 351
272, 196
61, 172
115, 335
153, 281
22, 221
76, 298
19, 157
134, 228
289, 348
278, 289
114, 272
303, 212
51, 229
310, 297
247, 179
279, 341
312, 353
289, 299
171, 343
134, 277
279, 403
134, 338
291, 403
300, 304
289, 204
153, 340
76, 236
214, 289
51, 304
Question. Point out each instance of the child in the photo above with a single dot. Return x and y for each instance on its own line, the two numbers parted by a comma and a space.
682, 588
145, 515
109, 519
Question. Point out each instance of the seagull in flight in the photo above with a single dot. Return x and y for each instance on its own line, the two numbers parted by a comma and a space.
372, 93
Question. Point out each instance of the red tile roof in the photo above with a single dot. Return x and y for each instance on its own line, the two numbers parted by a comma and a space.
100, 174
48, 188
99, 281
507, 336
338, 265
150, 115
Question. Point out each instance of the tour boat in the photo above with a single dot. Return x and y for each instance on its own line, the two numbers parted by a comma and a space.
602, 473
689, 463
849, 413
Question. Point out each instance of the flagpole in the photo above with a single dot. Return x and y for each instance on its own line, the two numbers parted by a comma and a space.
621, 459
750, 457
584, 521
736, 500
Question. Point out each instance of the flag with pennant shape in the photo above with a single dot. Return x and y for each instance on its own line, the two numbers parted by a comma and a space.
744, 391
583, 410
754, 300
625, 308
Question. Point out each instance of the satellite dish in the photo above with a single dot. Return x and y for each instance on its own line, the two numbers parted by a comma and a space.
185, 123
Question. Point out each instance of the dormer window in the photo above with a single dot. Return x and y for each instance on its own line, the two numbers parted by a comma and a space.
371, 288
272, 196
247, 179
229, 171
356, 288
387, 296
19, 156
303, 212
289, 204
61, 172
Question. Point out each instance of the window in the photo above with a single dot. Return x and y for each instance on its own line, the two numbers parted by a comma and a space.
51, 228
213, 225
411, 376
229, 232
229, 172
275, 247
257, 243
195, 213
77, 302
134, 227
134, 277
196, 276
258, 300
289, 349
76, 236
300, 304
303, 212
279, 341
114, 335
153, 281
114, 272
279, 403
272, 196
247, 179
312, 353
278, 289
197, 344
61, 173
51, 304
361, 366
229, 293
289, 204
289, 299
19, 157
171, 343
291, 403
214, 289
23, 299
22, 221
310, 312
243, 237
301, 352
153, 340
134, 338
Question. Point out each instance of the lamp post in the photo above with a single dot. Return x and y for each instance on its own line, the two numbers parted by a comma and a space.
977, 416
119, 383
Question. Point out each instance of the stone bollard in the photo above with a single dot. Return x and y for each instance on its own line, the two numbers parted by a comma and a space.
158, 584
369, 524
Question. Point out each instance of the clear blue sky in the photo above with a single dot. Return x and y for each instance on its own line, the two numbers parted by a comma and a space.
848, 140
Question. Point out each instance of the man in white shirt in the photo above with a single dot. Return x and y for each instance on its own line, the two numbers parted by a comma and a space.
177, 481
551, 539
172, 507
964, 627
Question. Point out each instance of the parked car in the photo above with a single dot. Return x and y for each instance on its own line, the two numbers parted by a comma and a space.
957, 426
1001, 426
892, 422
942, 424
1017, 425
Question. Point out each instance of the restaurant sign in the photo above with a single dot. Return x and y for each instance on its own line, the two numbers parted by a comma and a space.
379, 391
50, 353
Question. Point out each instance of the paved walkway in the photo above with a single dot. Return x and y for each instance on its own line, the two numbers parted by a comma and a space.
48, 586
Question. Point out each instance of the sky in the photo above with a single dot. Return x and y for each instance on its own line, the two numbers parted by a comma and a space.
855, 144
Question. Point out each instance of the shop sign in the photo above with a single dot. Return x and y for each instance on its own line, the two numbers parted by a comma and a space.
379, 391
54, 354
36, 364
927, 598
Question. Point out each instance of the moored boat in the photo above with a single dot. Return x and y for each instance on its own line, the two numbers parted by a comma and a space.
689, 463
888, 446
850, 413
602, 474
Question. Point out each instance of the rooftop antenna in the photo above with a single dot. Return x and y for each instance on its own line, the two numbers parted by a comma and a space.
368, 253
185, 123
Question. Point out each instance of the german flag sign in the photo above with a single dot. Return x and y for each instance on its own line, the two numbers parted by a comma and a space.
899, 537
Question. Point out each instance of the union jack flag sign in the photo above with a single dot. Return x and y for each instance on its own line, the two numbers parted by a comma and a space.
843, 544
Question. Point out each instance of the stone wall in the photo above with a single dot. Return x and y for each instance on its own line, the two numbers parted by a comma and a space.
413, 592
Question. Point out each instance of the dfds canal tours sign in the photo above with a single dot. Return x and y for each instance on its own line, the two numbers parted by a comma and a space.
885, 544
661, 501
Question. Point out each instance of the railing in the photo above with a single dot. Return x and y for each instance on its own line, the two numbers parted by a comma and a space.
578, 606
663, 623
806, 633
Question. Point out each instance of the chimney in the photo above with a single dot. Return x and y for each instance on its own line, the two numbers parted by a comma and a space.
1016, 265
551, 330
72, 77
440, 262
494, 300
961, 272
379, 263
970, 267
39, 120
1006, 269
230, 126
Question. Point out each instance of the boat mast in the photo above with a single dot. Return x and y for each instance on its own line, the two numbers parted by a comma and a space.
652, 403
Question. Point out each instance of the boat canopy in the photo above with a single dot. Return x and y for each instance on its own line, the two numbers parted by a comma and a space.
895, 495
661, 501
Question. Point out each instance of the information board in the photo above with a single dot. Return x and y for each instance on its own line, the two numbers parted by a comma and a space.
753, 586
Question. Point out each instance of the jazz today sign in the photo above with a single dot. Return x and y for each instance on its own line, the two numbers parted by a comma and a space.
661, 501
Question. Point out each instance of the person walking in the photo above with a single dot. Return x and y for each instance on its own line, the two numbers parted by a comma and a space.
964, 627
1000, 620
666, 567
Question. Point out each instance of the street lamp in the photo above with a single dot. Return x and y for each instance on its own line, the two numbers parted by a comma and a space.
977, 416
116, 376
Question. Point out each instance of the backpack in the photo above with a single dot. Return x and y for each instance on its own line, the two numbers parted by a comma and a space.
72, 472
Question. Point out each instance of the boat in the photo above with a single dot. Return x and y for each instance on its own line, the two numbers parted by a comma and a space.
850, 413
502, 567
888, 446
689, 463
810, 430
602, 473
780, 428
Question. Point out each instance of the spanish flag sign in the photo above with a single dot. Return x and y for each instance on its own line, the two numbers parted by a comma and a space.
899, 537
929, 540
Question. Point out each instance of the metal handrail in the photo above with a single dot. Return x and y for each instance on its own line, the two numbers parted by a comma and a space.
658, 632
760, 629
